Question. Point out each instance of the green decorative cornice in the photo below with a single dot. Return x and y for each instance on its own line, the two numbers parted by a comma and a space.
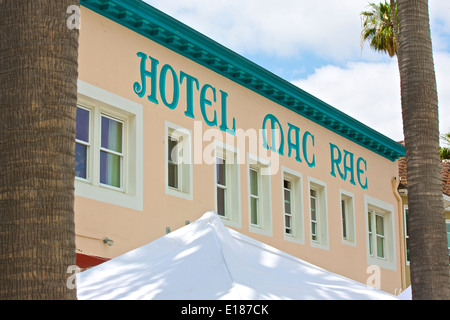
176, 36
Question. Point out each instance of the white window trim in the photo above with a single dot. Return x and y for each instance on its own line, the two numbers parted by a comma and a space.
233, 214
387, 210
348, 197
88, 145
321, 187
297, 214
185, 175
264, 226
124, 157
405, 207
101, 101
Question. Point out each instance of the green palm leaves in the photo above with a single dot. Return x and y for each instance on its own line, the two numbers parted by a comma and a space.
378, 28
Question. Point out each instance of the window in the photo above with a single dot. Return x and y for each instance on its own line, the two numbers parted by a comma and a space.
380, 233
178, 161
227, 186
347, 217
287, 192
109, 154
292, 205
83, 145
376, 234
314, 215
406, 229
254, 196
172, 161
108, 149
318, 214
221, 186
260, 213
111, 151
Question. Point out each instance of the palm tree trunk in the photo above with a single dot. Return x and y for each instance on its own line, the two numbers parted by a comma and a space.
427, 231
38, 94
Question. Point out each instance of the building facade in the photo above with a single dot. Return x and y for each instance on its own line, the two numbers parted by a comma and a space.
171, 124
403, 191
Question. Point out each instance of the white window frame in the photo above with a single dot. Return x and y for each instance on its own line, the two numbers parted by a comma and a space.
262, 166
185, 168
102, 102
297, 216
122, 155
232, 215
349, 215
386, 210
405, 232
320, 188
88, 147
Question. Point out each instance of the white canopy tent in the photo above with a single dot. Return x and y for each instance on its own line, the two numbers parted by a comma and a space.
207, 261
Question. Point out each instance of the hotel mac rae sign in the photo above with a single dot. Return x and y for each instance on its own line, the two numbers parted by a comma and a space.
213, 108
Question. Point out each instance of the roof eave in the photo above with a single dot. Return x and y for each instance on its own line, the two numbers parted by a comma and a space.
176, 36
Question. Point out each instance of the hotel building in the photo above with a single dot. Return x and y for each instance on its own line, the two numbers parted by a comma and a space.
171, 124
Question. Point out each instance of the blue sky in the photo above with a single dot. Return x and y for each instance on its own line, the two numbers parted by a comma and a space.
316, 45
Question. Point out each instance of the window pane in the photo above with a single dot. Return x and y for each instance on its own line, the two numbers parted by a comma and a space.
287, 184
380, 247
287, 201
173, 175
221, 198
369, 219
173, 149
287, 221
407, 249
253, 182
314, 231
313, 209
254, 210
407, 222
370, 244
110, 169
379, 225
344, 220
80, 161
221, 173
82, 125
111, 134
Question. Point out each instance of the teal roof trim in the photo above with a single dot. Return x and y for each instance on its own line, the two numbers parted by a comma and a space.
176, 36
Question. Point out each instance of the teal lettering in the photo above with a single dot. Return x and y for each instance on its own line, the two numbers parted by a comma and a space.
204, 102
311, 163
273, 121
223, 125
336, 159
348, 164
359, 171
296, 145
190, 80
349, 167
170, 95
162, 87
141, 88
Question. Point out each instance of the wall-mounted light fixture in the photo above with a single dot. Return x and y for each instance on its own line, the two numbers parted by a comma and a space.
108, 241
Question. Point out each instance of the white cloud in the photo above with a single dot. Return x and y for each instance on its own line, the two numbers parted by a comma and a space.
370, 92
442, 67
329, 28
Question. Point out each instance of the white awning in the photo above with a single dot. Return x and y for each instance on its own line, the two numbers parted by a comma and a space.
206, 260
